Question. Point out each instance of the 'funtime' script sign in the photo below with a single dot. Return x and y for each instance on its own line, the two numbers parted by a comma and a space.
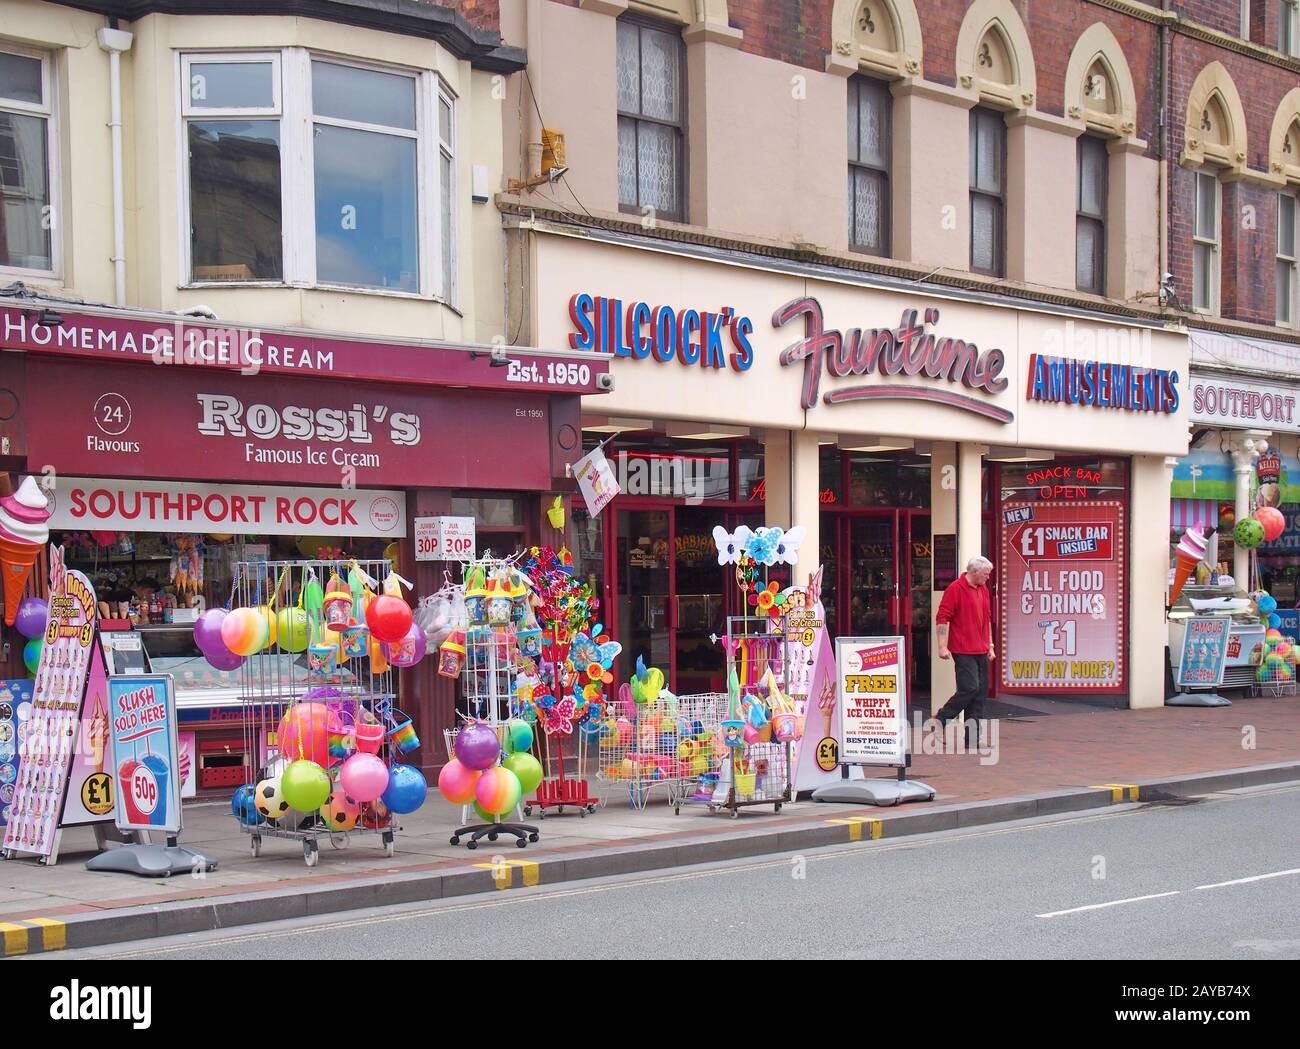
909, 350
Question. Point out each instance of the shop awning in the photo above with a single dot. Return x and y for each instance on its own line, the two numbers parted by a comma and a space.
1184, 513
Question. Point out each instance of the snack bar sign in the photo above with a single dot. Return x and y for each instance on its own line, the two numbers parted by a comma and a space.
1061, 584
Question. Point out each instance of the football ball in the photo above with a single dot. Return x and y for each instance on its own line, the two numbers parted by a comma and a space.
269, 800
340, 813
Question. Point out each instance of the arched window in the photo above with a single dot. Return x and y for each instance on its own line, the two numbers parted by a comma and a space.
1098, 85
1215, 131
876, 37
994, 57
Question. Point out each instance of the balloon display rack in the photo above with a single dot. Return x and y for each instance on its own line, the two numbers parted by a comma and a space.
488, 679
321, 691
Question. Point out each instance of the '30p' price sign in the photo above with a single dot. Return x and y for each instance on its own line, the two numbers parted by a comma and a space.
444, 539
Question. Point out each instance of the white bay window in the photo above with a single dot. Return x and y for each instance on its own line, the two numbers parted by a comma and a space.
309, 170
27, 163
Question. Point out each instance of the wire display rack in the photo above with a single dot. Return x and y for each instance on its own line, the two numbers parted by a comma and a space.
488, 682
756, 770
565, 758
345, 673
667, 745
1275, 675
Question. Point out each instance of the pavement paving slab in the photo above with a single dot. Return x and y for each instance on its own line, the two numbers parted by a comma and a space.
1038, 765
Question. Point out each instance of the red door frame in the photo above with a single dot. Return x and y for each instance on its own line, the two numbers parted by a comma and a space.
727, 514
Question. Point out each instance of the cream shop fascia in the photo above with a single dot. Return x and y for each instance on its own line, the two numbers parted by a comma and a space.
906, 429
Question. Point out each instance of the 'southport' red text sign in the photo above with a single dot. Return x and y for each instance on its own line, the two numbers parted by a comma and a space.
86, 504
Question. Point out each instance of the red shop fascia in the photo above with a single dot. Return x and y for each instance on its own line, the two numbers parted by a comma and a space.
131, 396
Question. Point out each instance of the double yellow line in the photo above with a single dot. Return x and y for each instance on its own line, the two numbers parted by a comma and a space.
54, 935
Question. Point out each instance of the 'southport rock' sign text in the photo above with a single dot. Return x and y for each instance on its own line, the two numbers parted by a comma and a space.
907, 350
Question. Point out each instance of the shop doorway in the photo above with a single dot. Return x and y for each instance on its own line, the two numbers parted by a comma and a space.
879, 564
672, 596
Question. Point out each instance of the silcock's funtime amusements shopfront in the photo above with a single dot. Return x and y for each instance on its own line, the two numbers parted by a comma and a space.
171, 451
903, 431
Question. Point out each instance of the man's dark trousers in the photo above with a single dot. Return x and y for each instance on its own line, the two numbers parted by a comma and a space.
972, 687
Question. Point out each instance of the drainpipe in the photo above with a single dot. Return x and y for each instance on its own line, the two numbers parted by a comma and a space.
115, 41
1162, 153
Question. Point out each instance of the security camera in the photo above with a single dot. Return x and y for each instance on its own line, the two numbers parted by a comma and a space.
605, 381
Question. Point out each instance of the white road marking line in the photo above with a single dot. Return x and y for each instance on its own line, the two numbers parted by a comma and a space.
1257, 877
835, 852
1112, 903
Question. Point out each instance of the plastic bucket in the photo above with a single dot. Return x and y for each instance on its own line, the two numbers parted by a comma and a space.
369, 738
785, 727
402, 735
745, 784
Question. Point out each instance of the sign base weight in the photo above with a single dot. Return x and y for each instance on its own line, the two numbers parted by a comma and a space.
1198, 699
875, 791
152, 861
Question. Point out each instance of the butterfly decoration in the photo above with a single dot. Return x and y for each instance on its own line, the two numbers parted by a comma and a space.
763, 545
731, 545
787, 545
595, 657
559, 718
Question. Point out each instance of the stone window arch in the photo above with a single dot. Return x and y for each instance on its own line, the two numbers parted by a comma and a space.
703, 19
1215, 132
1284, 139
881, 37
994, 57
1099, 85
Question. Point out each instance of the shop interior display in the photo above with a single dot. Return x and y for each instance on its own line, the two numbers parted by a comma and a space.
1258, 654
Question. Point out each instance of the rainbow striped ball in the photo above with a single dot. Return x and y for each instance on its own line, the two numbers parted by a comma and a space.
498, 790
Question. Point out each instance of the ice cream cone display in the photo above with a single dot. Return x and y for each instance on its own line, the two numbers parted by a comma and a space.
23, 532
98, 734
1191, 551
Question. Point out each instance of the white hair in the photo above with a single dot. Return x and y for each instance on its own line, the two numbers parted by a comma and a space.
978, 563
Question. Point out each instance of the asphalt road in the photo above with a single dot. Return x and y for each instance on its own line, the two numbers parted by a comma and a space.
1216, 878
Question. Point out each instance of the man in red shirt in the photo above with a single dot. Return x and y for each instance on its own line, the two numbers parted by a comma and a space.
965, 632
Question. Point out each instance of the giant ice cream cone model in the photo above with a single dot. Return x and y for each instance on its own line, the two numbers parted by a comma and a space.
1190, 553
23, 532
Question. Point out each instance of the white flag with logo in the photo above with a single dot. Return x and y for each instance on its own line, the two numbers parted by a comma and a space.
596, 480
